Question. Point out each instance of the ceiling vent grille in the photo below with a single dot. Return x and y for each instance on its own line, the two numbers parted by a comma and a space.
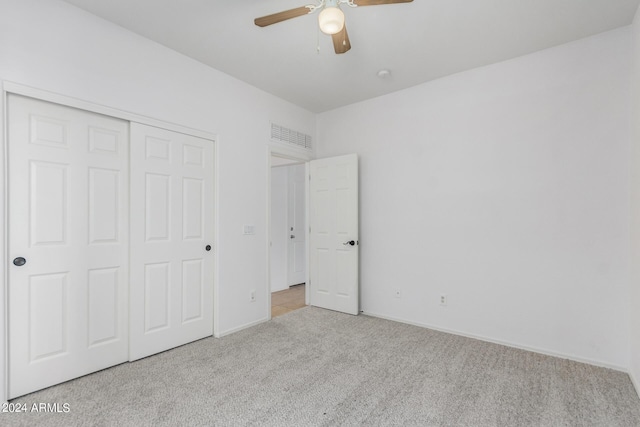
290, 136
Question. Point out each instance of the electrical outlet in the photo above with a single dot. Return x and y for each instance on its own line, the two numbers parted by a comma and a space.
443, 299
398, 293
252, 297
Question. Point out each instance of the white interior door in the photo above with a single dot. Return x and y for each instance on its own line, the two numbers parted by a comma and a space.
296, 252
68, 243
172, 225
333, 245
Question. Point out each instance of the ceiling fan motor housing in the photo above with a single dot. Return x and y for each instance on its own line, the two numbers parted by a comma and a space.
331, 20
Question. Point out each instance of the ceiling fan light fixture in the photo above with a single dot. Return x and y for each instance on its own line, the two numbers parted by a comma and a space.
331, 20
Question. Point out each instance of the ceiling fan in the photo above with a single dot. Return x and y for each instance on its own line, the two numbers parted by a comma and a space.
330, 19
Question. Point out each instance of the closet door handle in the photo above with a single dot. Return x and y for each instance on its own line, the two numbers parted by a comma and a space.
19, 261
207, 248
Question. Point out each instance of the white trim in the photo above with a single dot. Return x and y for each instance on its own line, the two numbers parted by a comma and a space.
307, 217
635, 382
216, 238
4, 301
68, 101
268, 190
240, 328
504, 343
43, 95
284, 151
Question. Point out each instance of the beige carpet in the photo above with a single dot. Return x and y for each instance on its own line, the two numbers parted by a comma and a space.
314, 367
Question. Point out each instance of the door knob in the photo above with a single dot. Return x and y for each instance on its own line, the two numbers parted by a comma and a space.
350, 242
293, 236
208, 248
19, 261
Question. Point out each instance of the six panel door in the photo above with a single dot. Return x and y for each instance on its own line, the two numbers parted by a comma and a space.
68, 239
172, 223
333, 246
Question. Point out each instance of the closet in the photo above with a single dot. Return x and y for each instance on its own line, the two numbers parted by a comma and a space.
110, 235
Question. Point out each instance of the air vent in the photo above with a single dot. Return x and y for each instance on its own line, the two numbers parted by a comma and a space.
290, 136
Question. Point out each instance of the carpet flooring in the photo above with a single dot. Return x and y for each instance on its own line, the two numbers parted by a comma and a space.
314, 367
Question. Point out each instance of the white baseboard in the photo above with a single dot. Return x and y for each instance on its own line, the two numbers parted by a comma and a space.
635, 381
509, 344
239, 328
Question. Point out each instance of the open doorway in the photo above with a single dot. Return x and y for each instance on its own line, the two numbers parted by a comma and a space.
330, 229
288, 245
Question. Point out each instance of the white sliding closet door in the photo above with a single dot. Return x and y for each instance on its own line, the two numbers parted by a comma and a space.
68, 243
172, 224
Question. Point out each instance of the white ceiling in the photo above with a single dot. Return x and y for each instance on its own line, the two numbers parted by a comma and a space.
417, 42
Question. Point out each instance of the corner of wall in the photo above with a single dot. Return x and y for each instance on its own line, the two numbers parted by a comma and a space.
634, 286
635, 382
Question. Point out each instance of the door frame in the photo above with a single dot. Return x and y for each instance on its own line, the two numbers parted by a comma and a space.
7, 88
279, 150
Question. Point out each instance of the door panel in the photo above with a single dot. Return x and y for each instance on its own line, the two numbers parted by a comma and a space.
296, 252
333, 262
47, 315
48, 190
104, 186
171, 224
103, 305
192, 209
192, 287
157, 279
68, 217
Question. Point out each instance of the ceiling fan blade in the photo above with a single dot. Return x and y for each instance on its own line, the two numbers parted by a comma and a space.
281, 16
377, 2
341, 43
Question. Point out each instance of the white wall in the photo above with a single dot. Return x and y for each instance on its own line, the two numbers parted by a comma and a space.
634, 365
506, 188
279, 227
54, 46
